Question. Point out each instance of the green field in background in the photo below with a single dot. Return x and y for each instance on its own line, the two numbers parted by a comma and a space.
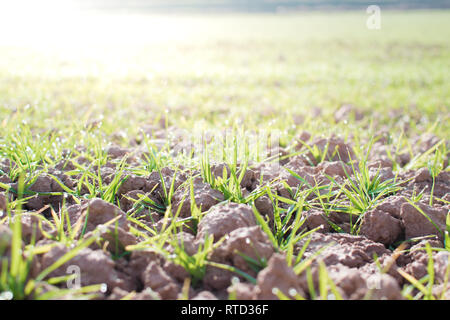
219, 69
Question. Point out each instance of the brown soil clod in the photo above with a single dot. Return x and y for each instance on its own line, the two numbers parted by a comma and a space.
277, 275
380, 226
222, 219
423, 220
44, 184
336, 150
112, 238
358, 285
98, 212
155, 278
352, 251
348, 112
95, 267
204, 196
241, 244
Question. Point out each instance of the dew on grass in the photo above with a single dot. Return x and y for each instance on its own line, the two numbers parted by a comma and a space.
6, 295
292, 292
103, 287
102, 228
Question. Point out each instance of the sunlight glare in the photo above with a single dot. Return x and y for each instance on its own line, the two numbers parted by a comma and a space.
61, 23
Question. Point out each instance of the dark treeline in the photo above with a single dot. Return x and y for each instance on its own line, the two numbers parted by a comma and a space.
257, 5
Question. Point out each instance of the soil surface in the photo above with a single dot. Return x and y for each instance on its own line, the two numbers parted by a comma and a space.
365, 255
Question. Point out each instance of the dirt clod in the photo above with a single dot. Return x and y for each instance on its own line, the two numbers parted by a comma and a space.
336, 150
156, 278
204, 196
358, 285
248, 242
44, 184
205, 295
278, 275
94, 265
97, 212
380, 226
224, 218
349, 250
417, 221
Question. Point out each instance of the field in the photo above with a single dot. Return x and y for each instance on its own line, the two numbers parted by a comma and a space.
229, 156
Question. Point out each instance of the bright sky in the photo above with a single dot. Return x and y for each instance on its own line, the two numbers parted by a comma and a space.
60, 22
29, 21
40, 6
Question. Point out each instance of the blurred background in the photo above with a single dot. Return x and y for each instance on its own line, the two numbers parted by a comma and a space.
243, 5
254, 61
258, 5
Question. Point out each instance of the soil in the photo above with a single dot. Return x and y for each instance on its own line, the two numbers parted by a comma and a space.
351, 256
